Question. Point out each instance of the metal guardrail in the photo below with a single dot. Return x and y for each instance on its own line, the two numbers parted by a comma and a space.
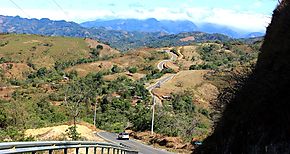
51, 146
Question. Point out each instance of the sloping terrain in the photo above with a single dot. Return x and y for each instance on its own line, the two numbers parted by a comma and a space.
139, 58
106, 49
87, 132
40, 76
41, 51
256, 117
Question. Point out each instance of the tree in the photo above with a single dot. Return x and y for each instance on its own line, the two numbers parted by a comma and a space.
41, 72
74, 96
132, 70
99, 47
115, 69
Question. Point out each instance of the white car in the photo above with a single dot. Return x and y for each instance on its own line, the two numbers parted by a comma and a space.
123, 136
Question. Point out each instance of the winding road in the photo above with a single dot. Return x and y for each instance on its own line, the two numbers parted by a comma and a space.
162, 80
160, 65
142, 148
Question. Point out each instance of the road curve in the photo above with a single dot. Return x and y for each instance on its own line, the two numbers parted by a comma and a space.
173, 57
162, 80
142, 148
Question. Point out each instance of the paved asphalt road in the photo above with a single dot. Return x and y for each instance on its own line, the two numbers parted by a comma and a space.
142, 148
160, 82
160, 65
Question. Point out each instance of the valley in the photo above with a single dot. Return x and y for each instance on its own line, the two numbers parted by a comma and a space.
199, 77
46, 80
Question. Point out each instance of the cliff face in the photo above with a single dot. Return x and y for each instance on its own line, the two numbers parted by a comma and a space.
257, 119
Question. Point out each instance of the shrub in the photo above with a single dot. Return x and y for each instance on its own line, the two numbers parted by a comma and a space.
99, 47
116, 69
132, 69
72, 133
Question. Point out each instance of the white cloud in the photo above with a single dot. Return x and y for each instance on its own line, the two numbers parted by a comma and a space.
247, 21
240, 20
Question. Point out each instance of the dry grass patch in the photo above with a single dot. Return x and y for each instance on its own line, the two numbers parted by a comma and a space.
189, 57
58, 133
172, 66
184, 80
106, 51
17, 71
6, 92
84, 69
43, 51
135, 76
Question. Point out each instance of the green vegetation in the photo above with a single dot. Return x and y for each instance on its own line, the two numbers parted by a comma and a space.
227, 55
49, 95
180, 117
72, 133
132, 69
42, 51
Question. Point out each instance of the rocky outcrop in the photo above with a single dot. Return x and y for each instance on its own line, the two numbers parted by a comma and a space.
257, 118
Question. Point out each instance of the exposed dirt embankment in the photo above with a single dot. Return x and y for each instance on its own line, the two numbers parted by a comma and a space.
170, 143
87, 132
256, 119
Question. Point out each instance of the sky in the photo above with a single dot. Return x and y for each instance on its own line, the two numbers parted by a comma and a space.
247, 15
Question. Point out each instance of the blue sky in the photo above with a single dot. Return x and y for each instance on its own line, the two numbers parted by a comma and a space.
240, 14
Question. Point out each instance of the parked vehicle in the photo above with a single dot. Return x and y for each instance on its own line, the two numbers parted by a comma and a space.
123, 136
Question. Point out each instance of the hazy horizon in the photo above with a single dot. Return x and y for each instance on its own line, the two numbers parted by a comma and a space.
253, 15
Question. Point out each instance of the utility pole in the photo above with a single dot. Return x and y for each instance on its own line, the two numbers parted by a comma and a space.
153, 110
95, 113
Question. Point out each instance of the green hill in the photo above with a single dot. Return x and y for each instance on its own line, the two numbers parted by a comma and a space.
41, 51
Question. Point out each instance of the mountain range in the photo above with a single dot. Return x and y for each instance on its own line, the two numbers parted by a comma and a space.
148, 25
168, 26
120, 34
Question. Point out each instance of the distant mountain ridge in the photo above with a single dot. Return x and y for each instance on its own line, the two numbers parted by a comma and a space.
147, 25
119, 39
167, 26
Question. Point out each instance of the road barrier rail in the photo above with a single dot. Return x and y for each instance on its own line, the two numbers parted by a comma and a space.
51, 146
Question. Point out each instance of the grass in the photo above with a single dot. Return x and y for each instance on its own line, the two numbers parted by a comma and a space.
41, 50
182, 81
139, 59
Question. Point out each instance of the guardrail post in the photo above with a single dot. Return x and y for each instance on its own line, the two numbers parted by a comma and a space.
65, 151
50, 151
114, 150
77, 150
118, 151
95, 150
102, 152
87, 150
108, 150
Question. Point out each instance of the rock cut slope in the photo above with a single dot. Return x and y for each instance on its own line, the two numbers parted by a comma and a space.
256, 120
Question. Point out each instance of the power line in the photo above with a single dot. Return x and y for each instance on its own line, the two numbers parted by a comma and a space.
61, 8
20, 8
